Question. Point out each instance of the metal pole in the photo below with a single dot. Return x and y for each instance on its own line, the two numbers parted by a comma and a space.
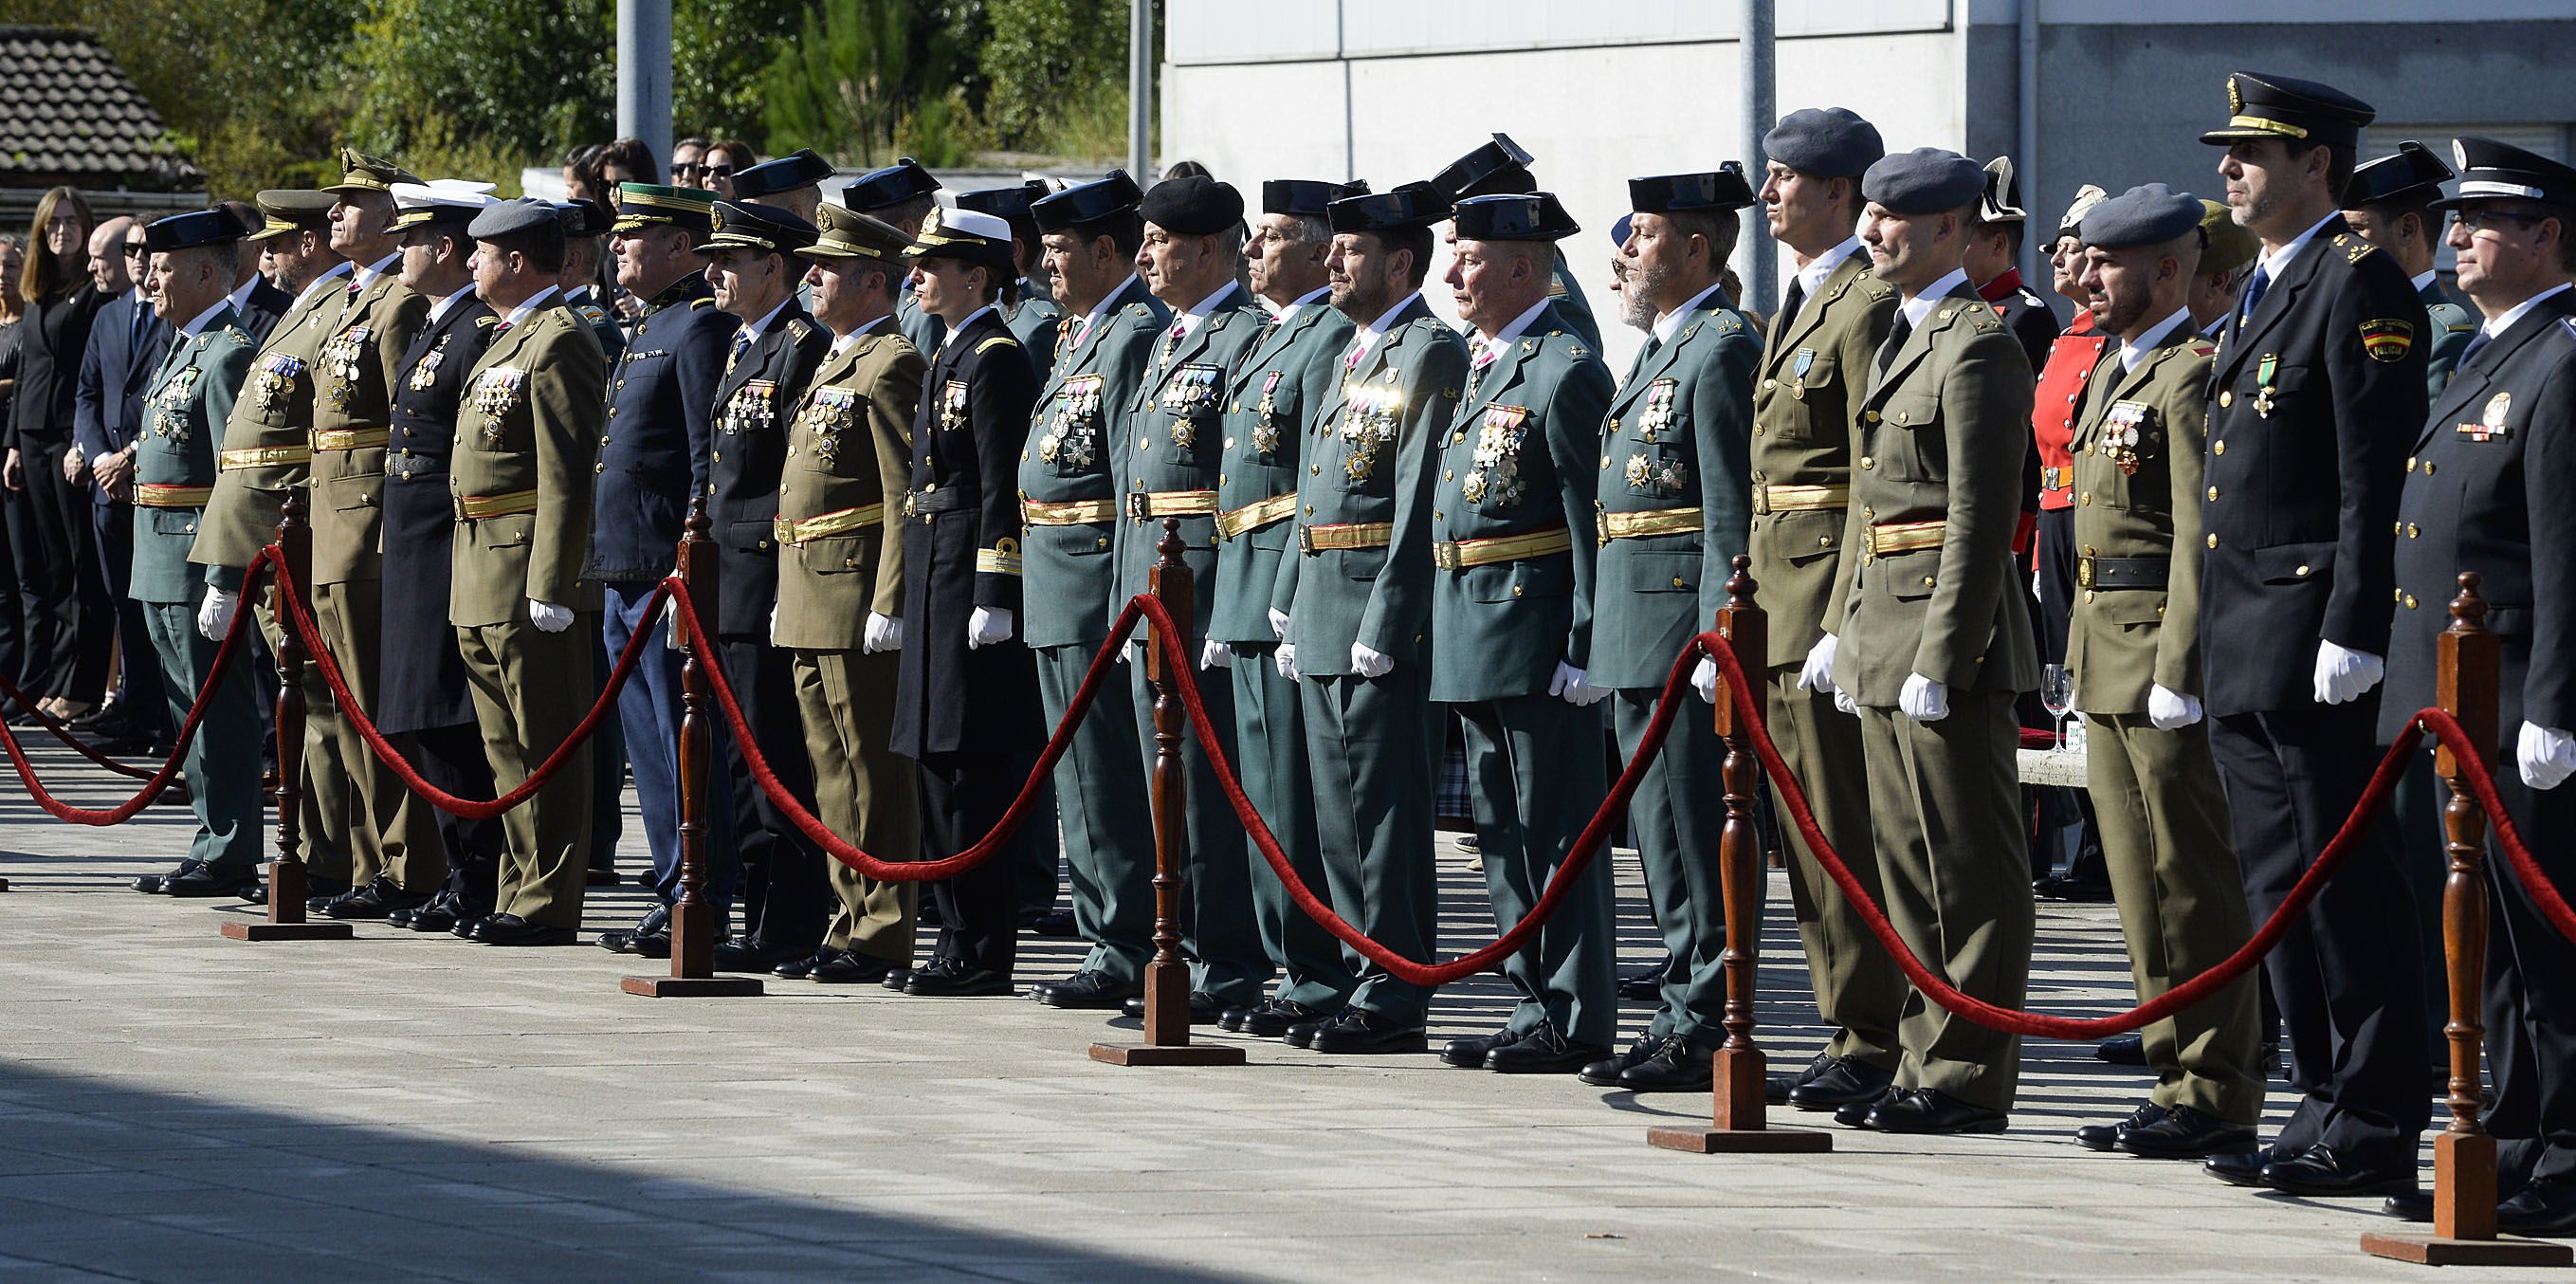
644, 74
1761, 260
2026, 143
1140, 91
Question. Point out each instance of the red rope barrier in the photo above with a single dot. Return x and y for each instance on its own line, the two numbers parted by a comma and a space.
9, 691
157, 781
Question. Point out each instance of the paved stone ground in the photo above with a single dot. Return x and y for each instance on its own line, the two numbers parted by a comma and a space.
179, 1107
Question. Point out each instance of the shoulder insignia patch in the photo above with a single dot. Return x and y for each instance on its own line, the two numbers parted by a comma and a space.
797, 330
997, 341
1140, 310
2355, 249
2387, 339
2460, 329
2204, 349
487, 321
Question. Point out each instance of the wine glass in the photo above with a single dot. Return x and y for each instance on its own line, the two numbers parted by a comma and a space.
2057, 691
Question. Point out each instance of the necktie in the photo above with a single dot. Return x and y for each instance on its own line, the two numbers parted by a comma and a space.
1476, 370
142, 324
500, 328
1082, 332
2476, 343
741, 345
2254, 288
1796, 300
1896, 336
1351, 359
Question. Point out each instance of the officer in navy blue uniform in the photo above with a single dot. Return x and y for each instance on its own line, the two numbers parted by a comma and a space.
661, 404
2317, 388
753, 267
900, 194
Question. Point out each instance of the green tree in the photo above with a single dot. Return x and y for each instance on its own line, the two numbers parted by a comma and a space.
1054, 63
719, 52
863, 77
534, 76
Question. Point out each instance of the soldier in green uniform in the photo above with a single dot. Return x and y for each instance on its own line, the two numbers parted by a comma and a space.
400, 858
1934, 643
1193, 245
1077, 452
185, 407
1512, 528
1030, 310
1501, 166
1671, 490
2389, 203
1816, 358
2135, 652
267, 450
532, 416
1358, 600
1272, 393
900, 195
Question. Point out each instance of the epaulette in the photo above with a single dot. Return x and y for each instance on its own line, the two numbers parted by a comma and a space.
2354, 248
2462, 328
1140, 311
702, 303
797, 330
997, 341
2204, 349
1727, 323
487, 321
591, 312
1873, 287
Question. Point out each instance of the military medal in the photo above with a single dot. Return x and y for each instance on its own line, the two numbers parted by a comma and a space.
2491, 425
344, 359
830, 411
1805, 360
1369, 423
952, 406
170, 406
425, 375
1073, 433
1265, 429
752, 405
496, 394
1497, 471
2120, 434
277, 376
2263, 373
1190, 396
1658, 414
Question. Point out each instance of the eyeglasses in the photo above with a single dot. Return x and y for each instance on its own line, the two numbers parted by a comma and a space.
2483, 220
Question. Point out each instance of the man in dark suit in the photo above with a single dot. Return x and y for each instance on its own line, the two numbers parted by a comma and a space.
2318, 385
126, 342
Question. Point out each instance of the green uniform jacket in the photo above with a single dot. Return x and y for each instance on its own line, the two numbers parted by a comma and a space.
1177, 421
1815, 366
1079, 440
1370, 460
530, 422
1517, 461
184, 411
1572, 309
1678, 443
849, 448
1941, 439
1285, 376
353, 400
1032, 319
2137, 445
268, 439
2449, 327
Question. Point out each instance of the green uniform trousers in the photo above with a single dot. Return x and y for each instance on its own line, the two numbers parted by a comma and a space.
1534, 767
222, 763
1679, 811
1217, 930
864, 792
531, 689
1371, 745
1270, 756
1946, 798
2166, 839
397, 831
327, 843
1860, 993
1107, 817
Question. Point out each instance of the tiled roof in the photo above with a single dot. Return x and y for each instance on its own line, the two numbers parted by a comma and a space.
69, 114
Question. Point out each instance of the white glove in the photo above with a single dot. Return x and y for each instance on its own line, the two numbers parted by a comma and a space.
1817, 674
773, 624
1843, 700
1279, 623
215, 614
1128, 652
988, 625
1923, 699
1369, 662
1569, 685
1286, 658
885, 633
2171, 710
2346, 675
1216, 655
548, 617
1704, 680
2547, 756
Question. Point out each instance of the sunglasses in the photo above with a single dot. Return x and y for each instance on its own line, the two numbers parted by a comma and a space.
137, 251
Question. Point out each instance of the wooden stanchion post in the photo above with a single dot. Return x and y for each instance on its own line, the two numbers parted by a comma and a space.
2464, 1156
693, 920
1740, 1119
1167, 977
288, 888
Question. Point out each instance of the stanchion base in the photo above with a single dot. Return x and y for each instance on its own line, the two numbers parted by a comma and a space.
1740, 1141
4, 884
2433, 1250
263, 930
1188, 1054
692, 987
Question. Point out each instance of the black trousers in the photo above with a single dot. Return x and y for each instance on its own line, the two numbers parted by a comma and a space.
138, 673
2348, 975
56, 549
452, 758
2531, 995
963, 795
785, 896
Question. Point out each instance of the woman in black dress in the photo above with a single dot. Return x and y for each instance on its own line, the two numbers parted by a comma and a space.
70, 624
13, 311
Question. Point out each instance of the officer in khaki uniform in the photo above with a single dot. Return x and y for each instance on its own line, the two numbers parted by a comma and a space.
1935, 645
524, 440
2134, 650
1816, 357
185, 408
400, 857
267, 451
840, 579
1672, 490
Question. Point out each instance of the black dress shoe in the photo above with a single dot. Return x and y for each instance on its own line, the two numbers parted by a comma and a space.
380, 897
1055, 924
1646, 986
150, 884
1605, 1072
656, 922
852, 968
510, 929
1932, 1111
742, 955
1469, 1053
2411, 1206
1090, 990
2122, 1050
2059, 887
2544, 1208
599, 878
1545, 1051
469, 921
2186, 1132
2245, 1168
1366, 1032
1680, 1066
959, 983
2319, 1172
2107, 1136
1855, 1114
800, 969
1776, 1088
1847, 1080
1205, 1008
437, 916
208, 881
1275, 1016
